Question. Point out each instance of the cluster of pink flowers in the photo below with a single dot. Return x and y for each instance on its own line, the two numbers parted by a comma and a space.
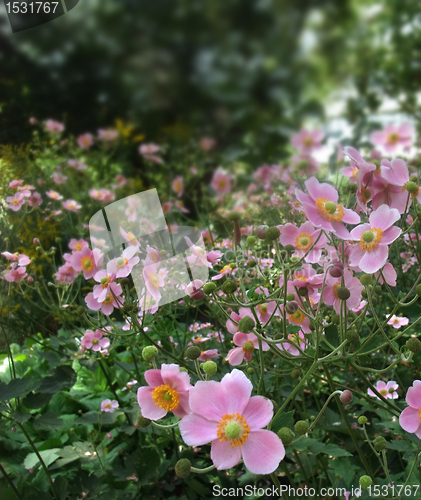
221, 413
95, 340
149, 152
16, 271
22, 194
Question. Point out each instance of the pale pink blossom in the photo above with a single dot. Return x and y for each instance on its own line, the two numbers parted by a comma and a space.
178, 186
15, 274
109, 406
409, 419
107, 134
77, 165
330, 294
307, 141
85, 141
20, 258
208, 355
306, 239
54, 127
109, 303
59, 178
95, 340
387, 390
298, 339
35, 200
397, 321
54, 195
247, 343
16, 201
393, 136
221, 182
71, 205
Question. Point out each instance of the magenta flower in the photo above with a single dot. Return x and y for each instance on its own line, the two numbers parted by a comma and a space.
397, 321
94, 340
54, 195
167, 390
225, 414
221, 182
85, 141
388, 390
177, 186
107, 134
16, 201
330, 294
410, 418
109, 303
374, 237
71, 205
307, 140
391, 137
298, 339
247, 343
322, 209
85, 260
54, 127
303, 238
109, 406
16, 275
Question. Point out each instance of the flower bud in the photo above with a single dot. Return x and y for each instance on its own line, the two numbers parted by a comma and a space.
413, 344
183, 468
365, 481
336, 271
209, 287
335, 319
286, 435
291, 307
127, 307
193, 352
246, 324
124, 281
301, 427
35, 241
230, 286
209, 367
379, 443
362, 420
273, 233
251, 241
303, 291
234, 216
252, 263
290, 296
295, 373
250, 370
366, 279
149, 352
197, 295
142, 422
343, 292
289, 248
346, 397
378, 289
261, 232
352, 336
418, 289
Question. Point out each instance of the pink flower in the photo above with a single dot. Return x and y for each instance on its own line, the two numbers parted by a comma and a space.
154, 280
22, 259
207, 143
123, 265
94, 340
16, 275
177, 186
397, 322
35, 200
330, 294
54, 195
59, 178
306, 140
371, 253
410, 419
208, 355
242, 313
106, 279
396, 173
77, 245
107, 134
223, 272
77, 165
54, 127
66, 274
15, 184
109, 303
391, 137
303, 238
148, 152
85, 141
322, 209
16, 201
109, 406
298, 339
221, 182
167, 390
85, 260
71, 205
388, 390
224, 414
247, 343
103, 195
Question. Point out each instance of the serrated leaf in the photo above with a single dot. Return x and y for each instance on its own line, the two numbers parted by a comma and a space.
17, 388
34, 401
48, 457
282, 420
63, 376
48, 421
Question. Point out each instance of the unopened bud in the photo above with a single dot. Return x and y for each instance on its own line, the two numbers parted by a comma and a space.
183, 468
346, 397
286, 435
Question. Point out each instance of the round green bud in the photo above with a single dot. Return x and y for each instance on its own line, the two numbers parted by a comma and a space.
124, 281
364, 293
250, 371
233, 265
210, 367
303, 291
149, 352
246, 324
251, 241
366, 279
291, 307
374, 300
379, 443
343, 292
230, 286
289, 248
295, 373
352, 336
193, 352
413, 344
378, 289
252, 263
142, 422
261, 232
301, 427
183, 468
286, 435
365, 481
273, 233
411, 187
418, 289
233, 216
294, 259
127, 307
362, 420
290, 296
279, 335
209, 287
335, 319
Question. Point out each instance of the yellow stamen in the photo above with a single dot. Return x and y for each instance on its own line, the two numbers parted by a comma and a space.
303, 241
337, 215
371, 245
166, 397
233, 428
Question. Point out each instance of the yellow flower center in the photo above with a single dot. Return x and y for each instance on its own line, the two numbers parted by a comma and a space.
419, 413
121, 262
335, 288
15, 201
166, 397
308, 142
108, 299
383, 392
154, 280
393, 138
78, 246
297, 317
222, 183
95, 341
248, 347
87, 263
105, 281
329, 210
370, 239
412, 188
303, 241
233, 428
300, 277
355, 172
263, 308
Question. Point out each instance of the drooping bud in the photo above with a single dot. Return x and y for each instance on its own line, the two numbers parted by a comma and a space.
336, 271
272, 233
290, 296
124, 281
183, 468
413, 344
261, 232
291, 307
343, 292
352, 336
303, 291
295, 373
346, 397
289, 248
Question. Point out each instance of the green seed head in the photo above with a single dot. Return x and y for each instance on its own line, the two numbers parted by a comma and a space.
210, 367
379, 443
193, 352
246, 324
149, 352
343, 292
230, 286
209, 288
251, 241
366, 279
414, 345
362, 420
330, 206
183, 468
272, 233
301, 427
365, 481
411, 187
286, 435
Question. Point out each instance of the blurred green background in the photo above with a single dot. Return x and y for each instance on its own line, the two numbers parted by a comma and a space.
247, 72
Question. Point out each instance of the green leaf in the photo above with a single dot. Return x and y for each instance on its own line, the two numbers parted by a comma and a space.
34, 401
17, 388
48, 421
48, 457
282, 420
63, 376
400, 445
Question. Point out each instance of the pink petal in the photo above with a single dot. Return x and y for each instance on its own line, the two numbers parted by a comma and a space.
172, 376
238, 390
197, 431
351, 217
154, 378
384, 217
262, 452
374, 260
235, 356
183, 408
321, 190
289, 233
223, 455
409, 419
413, 397
391, 234
147, 405
209, 400
258, 412
340, 230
